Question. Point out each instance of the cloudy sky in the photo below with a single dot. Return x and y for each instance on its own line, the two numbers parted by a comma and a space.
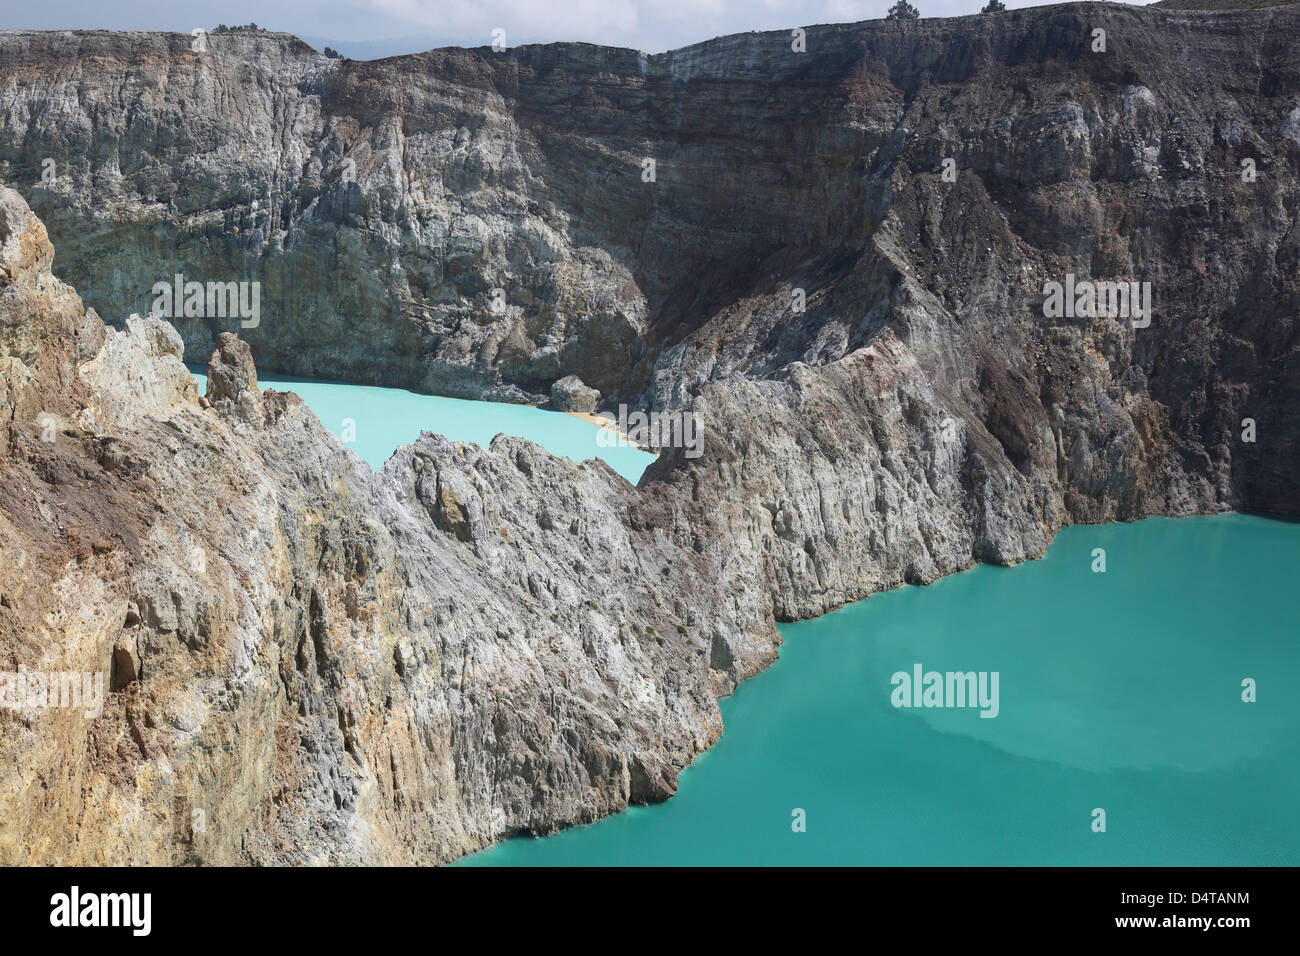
364, 28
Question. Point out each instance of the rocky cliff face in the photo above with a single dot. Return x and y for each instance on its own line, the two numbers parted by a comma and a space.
402, 667
307, 662
481, 224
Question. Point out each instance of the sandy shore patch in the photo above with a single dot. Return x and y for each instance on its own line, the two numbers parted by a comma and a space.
610, 424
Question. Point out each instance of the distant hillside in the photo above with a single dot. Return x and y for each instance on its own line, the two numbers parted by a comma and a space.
1222, 4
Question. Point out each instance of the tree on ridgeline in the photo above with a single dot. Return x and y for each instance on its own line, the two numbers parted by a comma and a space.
902, 10
994, 6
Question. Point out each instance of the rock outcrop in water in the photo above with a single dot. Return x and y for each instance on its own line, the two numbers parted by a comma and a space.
335, 666
570, 395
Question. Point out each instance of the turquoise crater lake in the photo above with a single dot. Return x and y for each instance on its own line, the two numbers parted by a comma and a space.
1119, 690
383, 418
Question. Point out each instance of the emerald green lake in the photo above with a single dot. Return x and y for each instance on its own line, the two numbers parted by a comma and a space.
1119, 690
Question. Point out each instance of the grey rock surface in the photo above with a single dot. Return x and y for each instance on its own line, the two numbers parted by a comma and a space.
570, 395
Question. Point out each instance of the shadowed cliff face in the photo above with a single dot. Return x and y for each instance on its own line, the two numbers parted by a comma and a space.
478, 641
480, 224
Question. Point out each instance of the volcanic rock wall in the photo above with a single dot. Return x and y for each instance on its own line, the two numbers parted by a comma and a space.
837, 262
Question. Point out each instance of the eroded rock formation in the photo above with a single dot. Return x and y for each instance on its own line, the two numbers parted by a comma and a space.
322, 664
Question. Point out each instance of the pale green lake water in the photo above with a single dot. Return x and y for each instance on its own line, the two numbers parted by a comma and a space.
1120, 690
387, 417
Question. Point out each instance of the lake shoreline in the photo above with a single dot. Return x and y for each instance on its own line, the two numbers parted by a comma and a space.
742, 709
